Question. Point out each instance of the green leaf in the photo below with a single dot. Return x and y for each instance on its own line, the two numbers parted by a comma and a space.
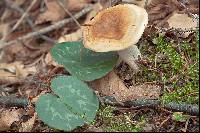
178, 116
75, 105
77, 95
83, 63
55, 113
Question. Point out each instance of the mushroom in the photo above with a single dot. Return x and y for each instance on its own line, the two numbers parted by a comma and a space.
117, 28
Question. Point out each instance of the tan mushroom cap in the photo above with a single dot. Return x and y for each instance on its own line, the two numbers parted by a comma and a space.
115, 28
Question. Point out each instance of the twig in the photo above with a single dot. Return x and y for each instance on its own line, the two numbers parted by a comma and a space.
164, 121
100, 98
49, 28
143, 103
21, 11
24, 15
10, 101
69, 13
42, 4
186, 125
146, 3
36, 61
181, 107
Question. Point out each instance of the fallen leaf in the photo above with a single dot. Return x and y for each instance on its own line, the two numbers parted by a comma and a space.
13, 72
182, 21
160, 10
50, 61
10, 52
145, 91
55, 11
77, 5
140, 3
75, 36
154, 3
7, 117
112, 85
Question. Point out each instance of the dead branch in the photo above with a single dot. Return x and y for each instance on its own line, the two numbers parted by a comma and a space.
181, 107
24, 15
109, 100
10, 101
69, 13
29, 21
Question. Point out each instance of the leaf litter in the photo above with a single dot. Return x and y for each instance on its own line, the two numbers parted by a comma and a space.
112, 85
7, 117
19, 61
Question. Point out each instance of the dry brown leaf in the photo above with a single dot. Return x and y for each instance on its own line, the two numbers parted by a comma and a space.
50, 61
140, 3
28, 125
182, 21
77, 5
112, 85
154, 3
75, 36
10, 52
160, 10
55, 11
145, 91
12, 72
7, 117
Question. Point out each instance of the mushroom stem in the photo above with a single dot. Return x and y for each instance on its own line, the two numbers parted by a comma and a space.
130, 55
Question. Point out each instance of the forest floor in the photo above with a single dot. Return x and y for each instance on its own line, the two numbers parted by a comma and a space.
169, 67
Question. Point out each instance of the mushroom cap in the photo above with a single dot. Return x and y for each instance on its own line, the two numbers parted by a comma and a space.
115, 28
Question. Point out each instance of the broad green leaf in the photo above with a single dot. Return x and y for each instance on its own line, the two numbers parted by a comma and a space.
77, 95
52, 111
75, 105
83, 63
